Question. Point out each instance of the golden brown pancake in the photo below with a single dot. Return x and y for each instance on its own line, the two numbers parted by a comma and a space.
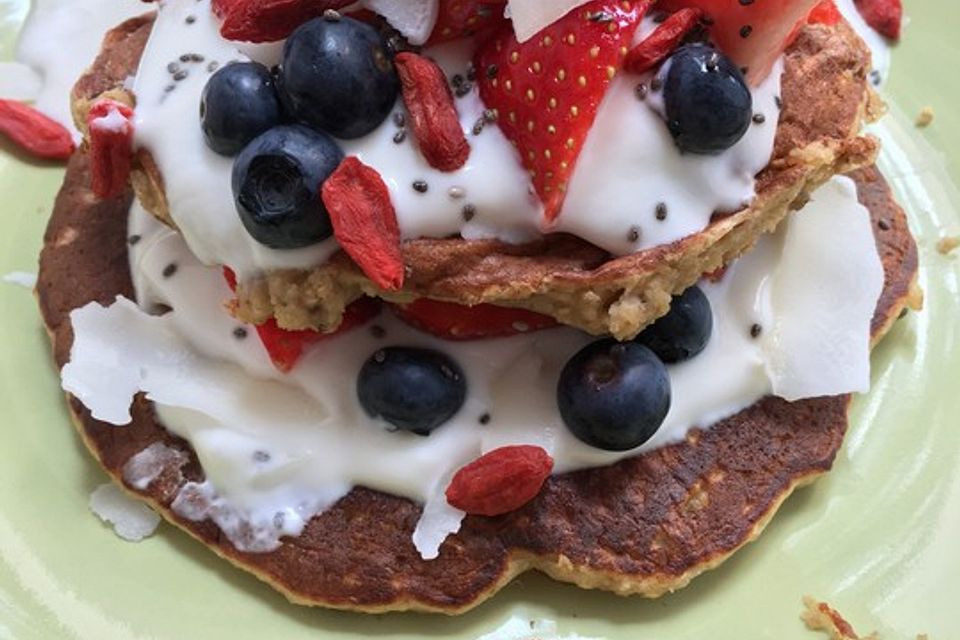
825, 95
646, 525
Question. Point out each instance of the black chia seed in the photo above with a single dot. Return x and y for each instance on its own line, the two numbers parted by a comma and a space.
420, 186
883, 224
745, 31
134, 239
261, 456
469, 212
170, 270
180, 75
642, 91
755, 331
400, 119
240, 333
485, 419
759, 118
634, 234
661, 211
656, 84
400, 136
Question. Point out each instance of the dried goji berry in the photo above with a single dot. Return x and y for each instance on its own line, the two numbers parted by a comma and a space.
656, 47
433, 114
111, 147
365, 222
459, 322
885, 16
34, 132
825, 13
268, 20
500, 481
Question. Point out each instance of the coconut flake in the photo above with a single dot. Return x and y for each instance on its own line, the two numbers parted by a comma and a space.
532, 16
415, 19
824, 291
131, 520
438, 521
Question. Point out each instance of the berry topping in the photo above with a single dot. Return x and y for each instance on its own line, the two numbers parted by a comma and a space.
614, 396
111, 147
415, 390
462, 18
268, 20
34, 132
433, 116
707, 103
751, 33
276, 186
825, 13
546, 91
500, 481
365, 223
451, 321
238, 104
684, 332
338, 77
661, 43
885, 16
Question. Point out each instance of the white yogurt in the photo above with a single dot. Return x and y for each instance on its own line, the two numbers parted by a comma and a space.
629, 165
278, 449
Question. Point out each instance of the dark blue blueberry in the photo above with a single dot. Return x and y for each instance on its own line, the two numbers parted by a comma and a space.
276, 186
338, 77
707, 102
238, 104
613, 395
415, 390
684, 331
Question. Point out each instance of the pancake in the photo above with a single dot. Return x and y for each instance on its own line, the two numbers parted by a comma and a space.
646, 525
825, 95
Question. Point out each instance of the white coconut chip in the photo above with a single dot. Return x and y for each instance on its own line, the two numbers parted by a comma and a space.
415, 19
131, 520
532, 16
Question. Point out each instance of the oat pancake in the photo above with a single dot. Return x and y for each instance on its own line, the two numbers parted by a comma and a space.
825, 96
646, 525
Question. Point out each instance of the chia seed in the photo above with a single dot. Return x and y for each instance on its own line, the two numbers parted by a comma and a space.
485, 419
180, 75
745, 31
478, 126
400, 136
261, 456
755, 331
400, 119
777, 100
173, 67
134, 239
213, 66
661, 211
656, 84
883, 224
634, 234
380, 356
642, 91
875, 77
240, 333
420, 186
170, 270
463, 90
469, 212
191, 19
759, 118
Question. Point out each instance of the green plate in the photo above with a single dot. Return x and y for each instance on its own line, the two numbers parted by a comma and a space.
877, 537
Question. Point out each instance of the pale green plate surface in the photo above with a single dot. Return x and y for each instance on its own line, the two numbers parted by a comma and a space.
879, 537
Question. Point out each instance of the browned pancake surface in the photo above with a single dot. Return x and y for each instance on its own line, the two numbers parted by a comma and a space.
825, 96
646, 525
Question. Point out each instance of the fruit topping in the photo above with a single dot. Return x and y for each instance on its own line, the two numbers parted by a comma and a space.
885, 16
414, 19
546, 91
462, 18
613, 395
825, 13
684, 332
365, 222
338, 77
433, 115
268, 20
751, 33
238, 103
33, 132
111, 147
500, 481
286, 347
707, 103
276, 186
415, 390
451, 321
656, 47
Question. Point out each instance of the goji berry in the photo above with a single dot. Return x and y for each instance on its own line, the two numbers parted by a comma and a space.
433, 115
111, 147
825, 13
268, 20
885, 16
459, 322
365, 222
501, 481
35, 133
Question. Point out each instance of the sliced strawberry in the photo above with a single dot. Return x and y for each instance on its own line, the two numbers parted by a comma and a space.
656, 47
463, 18
753, 34
885, 16
268, 20
546, 91
825, 13
286, 347
458, 322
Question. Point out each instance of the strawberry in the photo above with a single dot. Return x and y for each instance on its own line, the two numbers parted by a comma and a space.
451, 321
753, 34
546, 91
34, 132
500, 481
825, 13
885, 16
660, 44
286, 347
268, 20
462, 18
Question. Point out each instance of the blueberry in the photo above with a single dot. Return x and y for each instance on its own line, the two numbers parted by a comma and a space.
614, 395
684, 331
276, 186
707, 102
338, 77
415, 390
238, 104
